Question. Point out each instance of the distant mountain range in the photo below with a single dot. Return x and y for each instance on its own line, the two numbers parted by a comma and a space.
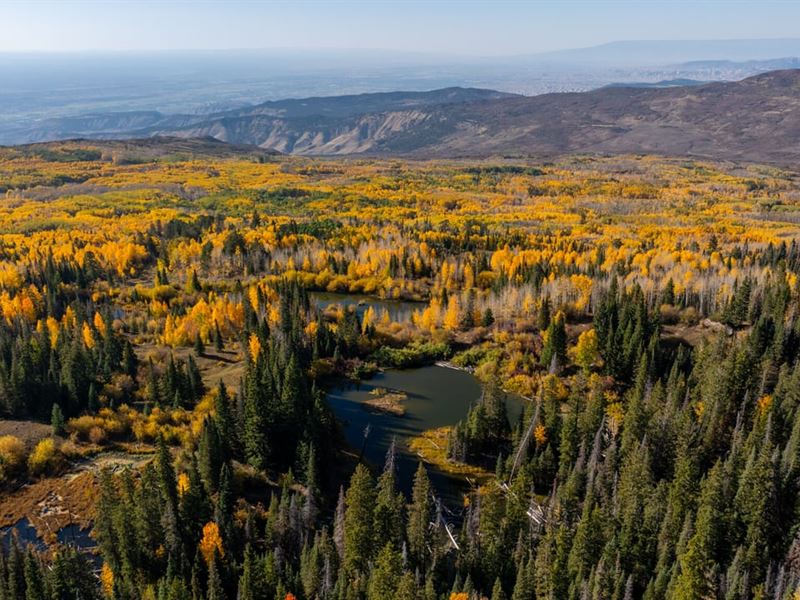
663, 52
290, 126
657, 84
756, 119
36, 88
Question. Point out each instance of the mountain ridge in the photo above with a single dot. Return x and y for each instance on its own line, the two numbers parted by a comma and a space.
132, 124
756, 119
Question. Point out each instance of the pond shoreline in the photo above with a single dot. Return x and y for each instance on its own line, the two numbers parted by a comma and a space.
438, 397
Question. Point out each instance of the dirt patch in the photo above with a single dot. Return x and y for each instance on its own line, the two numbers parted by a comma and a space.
30, 432
114, 461
693, 335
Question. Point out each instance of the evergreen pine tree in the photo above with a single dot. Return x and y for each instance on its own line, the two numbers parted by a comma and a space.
385, 575
420, 514
358, 519
57, 420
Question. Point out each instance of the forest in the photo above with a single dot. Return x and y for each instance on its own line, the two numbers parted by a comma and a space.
165, 366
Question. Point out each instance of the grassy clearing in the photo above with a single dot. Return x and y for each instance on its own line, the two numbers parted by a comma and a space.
431, 446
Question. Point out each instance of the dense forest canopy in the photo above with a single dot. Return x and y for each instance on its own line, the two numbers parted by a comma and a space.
159, 330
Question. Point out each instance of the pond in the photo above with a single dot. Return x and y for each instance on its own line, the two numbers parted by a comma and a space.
69, 535
436, 397
25, 533
400, 311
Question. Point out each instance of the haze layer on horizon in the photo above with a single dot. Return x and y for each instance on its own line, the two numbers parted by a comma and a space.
442, 27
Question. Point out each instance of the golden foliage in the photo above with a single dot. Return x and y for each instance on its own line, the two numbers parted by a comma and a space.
45, 457
540, 435
107, 580
586, 351
254, 346
183, 484
211, 542
12, 456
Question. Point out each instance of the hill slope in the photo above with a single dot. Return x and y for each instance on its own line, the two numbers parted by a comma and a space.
757, 119
291, 119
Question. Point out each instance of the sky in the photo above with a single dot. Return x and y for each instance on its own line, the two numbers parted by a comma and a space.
441, 27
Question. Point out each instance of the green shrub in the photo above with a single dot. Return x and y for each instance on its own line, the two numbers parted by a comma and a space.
413, 355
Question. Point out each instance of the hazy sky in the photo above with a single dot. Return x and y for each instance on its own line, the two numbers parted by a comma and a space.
438, 26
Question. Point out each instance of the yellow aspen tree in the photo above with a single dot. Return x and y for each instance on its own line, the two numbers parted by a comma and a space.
99, 324
88, 336
211, 542
368, 318
586, 350
183, 484
107, 581
469, 277
452, 317
255, 347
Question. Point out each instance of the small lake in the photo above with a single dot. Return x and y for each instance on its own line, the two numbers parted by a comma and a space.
69, 535
436, 397
399, 311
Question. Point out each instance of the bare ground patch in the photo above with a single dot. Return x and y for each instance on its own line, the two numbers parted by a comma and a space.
30, 432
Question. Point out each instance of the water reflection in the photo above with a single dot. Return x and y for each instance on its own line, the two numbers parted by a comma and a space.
400, 311
25, 533
70, 535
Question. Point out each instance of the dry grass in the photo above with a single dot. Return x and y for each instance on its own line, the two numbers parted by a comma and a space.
226, 366
52, 503
386, 401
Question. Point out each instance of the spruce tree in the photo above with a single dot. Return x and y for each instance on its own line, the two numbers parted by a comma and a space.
223, 419
554, 351
497, 590
700, 556
358, 519
254, 433
385, 575
57, 420
199, 347
420, 515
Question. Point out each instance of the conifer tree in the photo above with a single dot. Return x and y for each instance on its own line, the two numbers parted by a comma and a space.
223, 418
385, 575
420, 515
254, 432
554, 351
697, 561
388, 528
358, 519
57, 420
